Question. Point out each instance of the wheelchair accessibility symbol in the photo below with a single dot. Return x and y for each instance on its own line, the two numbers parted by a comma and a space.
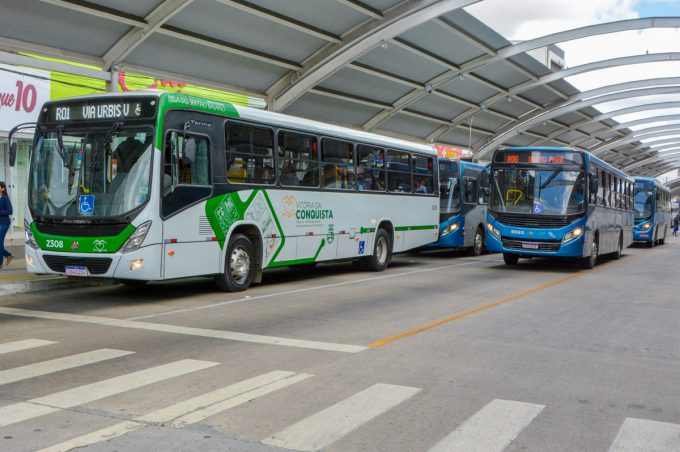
86, 204
538, 208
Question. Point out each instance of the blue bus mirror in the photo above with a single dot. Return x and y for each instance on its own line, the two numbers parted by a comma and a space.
12, 154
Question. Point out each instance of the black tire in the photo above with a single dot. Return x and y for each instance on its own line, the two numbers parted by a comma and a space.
478, 246
589, 262
619, 251
239, 265
510, 259
382, 253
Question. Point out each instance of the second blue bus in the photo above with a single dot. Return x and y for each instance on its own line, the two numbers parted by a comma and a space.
462, 209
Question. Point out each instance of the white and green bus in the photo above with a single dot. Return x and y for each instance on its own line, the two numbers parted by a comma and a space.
156, 186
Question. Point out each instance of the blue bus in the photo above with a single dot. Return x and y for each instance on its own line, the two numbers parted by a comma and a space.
557, 202
462, 206
652, 211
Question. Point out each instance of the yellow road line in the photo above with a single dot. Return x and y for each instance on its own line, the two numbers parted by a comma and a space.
469, 312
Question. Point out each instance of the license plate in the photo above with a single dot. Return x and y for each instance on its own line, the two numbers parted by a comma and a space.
77, 271
530, 246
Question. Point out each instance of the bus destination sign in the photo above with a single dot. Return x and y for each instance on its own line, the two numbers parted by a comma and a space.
101, 110
539, 157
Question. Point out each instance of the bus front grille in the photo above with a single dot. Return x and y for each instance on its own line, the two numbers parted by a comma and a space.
534, 221
531, 245
95, 265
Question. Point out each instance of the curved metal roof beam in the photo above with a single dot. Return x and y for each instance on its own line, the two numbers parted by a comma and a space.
404, 17
512, 50
648, 160
658, 171
651, 132
570, 72
581, 100
604, 116
133, 38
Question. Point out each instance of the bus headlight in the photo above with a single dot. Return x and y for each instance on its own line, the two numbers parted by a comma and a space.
572, 235
494, 231
646, 226
28, 236
453, 227
137, 237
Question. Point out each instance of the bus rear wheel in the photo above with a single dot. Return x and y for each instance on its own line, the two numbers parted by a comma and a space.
590, 261
382, 253
478, 246
239, 266
619, 250
510, 259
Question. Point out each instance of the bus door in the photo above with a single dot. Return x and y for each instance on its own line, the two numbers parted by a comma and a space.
190, 247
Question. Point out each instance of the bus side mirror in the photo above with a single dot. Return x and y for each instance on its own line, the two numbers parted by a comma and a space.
12, 154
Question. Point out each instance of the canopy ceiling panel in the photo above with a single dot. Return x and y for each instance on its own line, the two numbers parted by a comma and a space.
38, 22
176, 55
325, 108
358, 83
419, 69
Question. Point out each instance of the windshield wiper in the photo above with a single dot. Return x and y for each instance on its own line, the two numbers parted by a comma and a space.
550, 178
60, 147
97, 153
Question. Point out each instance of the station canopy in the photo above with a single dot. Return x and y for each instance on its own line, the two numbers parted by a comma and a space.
416, 69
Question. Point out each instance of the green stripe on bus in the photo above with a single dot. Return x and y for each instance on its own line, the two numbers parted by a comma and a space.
307, 260
73, 244
365, 230
415, 228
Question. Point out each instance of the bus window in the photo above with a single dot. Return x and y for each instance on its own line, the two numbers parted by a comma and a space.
398, 171
423, 174
338, 164
470, 193
298, 160
370, 168
250, 154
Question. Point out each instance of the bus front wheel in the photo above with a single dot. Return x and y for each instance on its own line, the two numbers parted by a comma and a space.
382, 253
510, 259
590, 261
239, 266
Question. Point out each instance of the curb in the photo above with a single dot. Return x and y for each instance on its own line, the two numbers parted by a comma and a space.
42, 284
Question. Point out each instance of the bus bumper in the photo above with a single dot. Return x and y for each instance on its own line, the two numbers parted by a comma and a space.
143, 264
501, 238
643, 236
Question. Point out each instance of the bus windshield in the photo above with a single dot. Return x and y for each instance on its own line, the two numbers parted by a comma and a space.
644, 200
551, 191
449, 189
90, 173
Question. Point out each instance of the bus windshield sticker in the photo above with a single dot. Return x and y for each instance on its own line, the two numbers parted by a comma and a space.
86, 205
538, 208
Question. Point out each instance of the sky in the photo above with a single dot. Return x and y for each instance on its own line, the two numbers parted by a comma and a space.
527, 19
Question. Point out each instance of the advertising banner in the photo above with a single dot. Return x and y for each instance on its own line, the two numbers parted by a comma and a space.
22, 93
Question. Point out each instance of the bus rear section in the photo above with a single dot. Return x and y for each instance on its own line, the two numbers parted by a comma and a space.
462, 207
556, 202
652, 212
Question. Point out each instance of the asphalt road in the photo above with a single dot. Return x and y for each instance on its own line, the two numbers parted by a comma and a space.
440, 352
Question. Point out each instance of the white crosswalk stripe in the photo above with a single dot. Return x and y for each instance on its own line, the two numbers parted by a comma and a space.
9, 347
192, 410
492, 428
640, 435
329, 425
59, 364
12, 414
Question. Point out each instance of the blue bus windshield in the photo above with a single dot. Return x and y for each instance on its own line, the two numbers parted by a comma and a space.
553, 191
644, 201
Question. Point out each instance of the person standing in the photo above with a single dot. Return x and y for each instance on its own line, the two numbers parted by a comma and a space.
676, 223
5, 221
